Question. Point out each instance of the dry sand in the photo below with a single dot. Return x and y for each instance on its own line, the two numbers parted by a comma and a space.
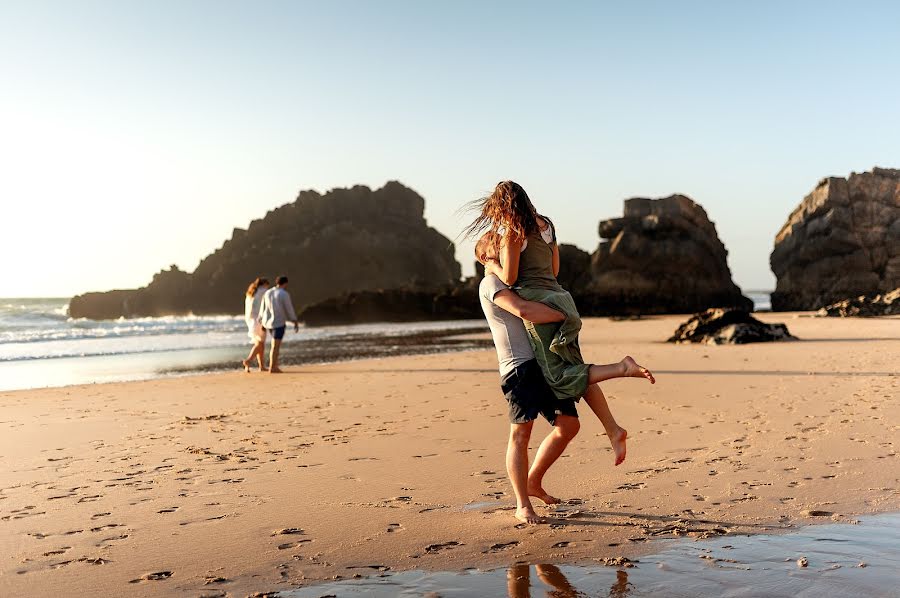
232, 484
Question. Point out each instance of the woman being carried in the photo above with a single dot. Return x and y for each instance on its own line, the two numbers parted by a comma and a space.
528, 263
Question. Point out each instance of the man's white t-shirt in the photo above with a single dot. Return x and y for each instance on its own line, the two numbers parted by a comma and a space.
276, 309
510, 337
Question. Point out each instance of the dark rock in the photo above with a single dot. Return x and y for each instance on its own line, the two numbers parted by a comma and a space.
843, 240
455, 302
719, 326
574, 269
662, 256
867, 306
328, 245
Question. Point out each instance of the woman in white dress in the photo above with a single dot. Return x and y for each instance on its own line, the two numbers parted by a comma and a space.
255, 330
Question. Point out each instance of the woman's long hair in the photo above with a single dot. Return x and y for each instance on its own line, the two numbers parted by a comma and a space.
508, 208
251, 290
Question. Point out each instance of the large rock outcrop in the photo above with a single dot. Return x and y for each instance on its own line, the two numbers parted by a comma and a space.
328, 245
662, 256
843, 240
457, 302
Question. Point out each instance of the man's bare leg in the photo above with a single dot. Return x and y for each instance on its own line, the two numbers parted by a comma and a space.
596, 400
553, 577
517, 469
627, 368
564, 430
273, 357
260, 355
518, 581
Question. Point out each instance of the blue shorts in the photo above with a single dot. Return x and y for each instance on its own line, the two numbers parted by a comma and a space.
277, 333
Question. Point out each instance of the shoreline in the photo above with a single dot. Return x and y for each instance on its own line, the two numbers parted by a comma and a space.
169, 363
328, 468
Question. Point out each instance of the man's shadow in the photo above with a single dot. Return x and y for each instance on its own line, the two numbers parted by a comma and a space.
518, 582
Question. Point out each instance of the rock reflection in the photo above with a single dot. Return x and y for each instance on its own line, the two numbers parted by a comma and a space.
518, 582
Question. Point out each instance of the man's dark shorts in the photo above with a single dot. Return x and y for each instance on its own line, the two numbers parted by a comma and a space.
277, 333
529, 394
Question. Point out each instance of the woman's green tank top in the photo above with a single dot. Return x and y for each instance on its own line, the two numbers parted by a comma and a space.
536, 264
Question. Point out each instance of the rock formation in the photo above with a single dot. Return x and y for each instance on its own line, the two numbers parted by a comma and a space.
328, 245
843, 240
728, 327
457, 302
662, 256
865, 306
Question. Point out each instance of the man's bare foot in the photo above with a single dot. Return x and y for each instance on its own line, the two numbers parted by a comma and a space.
633, 370
527, 515
617, 440
246, 365
274, 370
539, 492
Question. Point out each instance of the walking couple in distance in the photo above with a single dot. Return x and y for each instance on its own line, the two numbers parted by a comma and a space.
267, 312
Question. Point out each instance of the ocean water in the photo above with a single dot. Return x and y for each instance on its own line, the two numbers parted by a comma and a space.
41, 346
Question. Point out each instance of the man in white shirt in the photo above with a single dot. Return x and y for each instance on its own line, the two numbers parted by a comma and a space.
528, 393
275, 312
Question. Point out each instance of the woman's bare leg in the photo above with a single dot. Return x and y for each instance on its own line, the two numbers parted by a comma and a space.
596, 400
627, 368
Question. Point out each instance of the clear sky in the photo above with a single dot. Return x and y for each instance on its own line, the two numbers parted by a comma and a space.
134, 135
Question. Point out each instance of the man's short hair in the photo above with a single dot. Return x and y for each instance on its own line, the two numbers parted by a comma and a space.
281, 280
487, 247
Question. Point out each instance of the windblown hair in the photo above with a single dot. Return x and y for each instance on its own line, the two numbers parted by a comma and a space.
487, 247
251, 290
508, 208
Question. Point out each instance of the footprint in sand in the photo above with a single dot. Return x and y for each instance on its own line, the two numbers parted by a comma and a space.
157, 576
433, 548
500, 546
287, 531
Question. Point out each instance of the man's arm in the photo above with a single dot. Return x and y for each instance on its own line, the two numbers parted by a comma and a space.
532, 311
288, 306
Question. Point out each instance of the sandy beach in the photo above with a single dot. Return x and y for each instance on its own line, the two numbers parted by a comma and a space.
231, 484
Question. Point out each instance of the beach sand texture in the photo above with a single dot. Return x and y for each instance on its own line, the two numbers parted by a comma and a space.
231, 484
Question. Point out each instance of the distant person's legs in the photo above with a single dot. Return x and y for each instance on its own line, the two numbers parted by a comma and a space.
277, 335
257, 352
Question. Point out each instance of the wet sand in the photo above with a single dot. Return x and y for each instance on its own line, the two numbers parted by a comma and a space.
230, 484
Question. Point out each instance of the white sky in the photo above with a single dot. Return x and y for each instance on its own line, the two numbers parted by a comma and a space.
138, 135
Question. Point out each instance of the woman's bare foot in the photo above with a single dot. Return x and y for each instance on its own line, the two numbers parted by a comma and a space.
617, 440
527, 515
633, 370
539, 492
246, 365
